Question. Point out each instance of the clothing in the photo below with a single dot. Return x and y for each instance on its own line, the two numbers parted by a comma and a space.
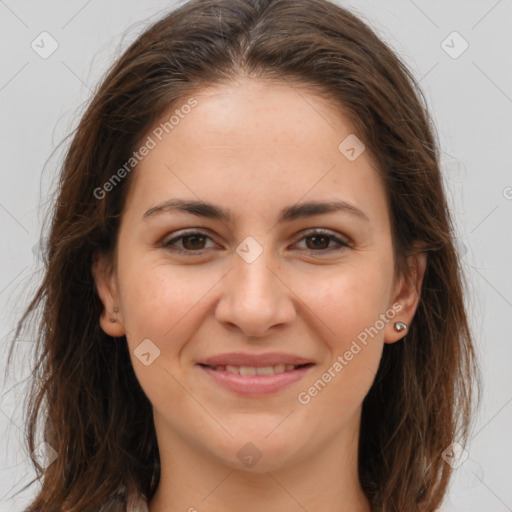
134, 502
137, 504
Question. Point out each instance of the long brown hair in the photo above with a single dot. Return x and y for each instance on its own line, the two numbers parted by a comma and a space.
96, 416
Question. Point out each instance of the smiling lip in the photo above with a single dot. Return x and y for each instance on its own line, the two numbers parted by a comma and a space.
254, 360
256, 385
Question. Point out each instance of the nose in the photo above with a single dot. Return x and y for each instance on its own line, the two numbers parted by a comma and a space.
255, 297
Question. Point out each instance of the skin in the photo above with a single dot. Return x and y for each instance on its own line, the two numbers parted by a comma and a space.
256, 147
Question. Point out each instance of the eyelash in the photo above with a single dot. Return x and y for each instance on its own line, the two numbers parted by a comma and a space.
315, 232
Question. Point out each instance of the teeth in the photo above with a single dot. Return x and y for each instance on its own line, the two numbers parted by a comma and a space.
269, 370
251, 370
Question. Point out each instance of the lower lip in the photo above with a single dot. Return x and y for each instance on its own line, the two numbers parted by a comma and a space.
256, 385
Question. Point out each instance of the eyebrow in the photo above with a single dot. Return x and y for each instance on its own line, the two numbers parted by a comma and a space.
287, 214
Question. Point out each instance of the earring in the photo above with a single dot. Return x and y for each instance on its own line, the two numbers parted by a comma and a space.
114, 320
400, 326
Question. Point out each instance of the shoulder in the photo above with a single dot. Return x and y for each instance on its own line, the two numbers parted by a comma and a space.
135, 502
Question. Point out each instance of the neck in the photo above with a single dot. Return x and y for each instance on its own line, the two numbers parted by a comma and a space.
325, 479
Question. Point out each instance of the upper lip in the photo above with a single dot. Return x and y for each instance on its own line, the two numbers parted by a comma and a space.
254, 360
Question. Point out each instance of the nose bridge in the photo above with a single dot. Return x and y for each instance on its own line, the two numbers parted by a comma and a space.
254, 299
252, 261
254, 280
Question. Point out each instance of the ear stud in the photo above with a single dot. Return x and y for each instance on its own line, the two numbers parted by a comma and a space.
400, 326
114, 320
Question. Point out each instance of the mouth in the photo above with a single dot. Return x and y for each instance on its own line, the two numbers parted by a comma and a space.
247, 371
255, 381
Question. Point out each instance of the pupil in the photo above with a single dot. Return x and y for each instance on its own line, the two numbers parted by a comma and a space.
317, 238
186, 239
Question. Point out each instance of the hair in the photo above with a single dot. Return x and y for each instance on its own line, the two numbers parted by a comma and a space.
94, 412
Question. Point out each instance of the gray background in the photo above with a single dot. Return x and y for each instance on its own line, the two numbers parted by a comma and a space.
471, 99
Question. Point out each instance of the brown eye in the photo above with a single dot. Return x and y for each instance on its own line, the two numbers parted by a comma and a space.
318, 241
192, 242
188, 243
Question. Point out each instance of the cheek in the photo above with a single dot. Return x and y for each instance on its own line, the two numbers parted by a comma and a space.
348, 306
166, 305
156, 297
162, 304
349, 301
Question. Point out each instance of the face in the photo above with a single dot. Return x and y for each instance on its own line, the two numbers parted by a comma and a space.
256, 273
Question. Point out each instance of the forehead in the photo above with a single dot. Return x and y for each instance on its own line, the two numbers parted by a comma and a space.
258, 140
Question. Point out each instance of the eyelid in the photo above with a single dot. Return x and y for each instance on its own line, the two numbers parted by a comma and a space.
342, 244
327, 232
186, 233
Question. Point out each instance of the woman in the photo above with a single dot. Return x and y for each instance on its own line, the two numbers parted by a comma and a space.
252, 297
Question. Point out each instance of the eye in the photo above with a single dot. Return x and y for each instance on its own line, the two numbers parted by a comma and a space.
317, 241
192, 241
320, 239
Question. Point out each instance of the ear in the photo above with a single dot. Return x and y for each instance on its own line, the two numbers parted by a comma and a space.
106, 285
406, 296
